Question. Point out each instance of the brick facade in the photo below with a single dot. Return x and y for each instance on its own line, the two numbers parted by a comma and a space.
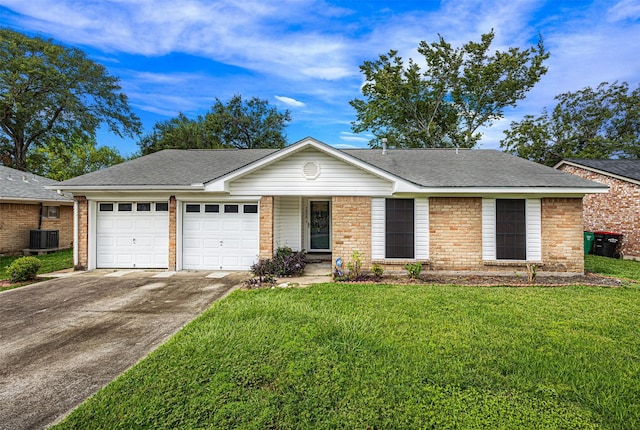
83, 233
172, 232
562, 237
18, 219
455, 229
266, 227
351, 228
617, 211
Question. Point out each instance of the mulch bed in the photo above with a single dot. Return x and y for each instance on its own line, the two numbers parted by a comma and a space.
589, 279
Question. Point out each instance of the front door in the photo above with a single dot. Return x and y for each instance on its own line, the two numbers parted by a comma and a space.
320, 225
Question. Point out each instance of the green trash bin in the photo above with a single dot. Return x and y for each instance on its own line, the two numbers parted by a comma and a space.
589, 239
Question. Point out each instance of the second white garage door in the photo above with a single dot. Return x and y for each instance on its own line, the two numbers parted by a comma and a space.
220, 236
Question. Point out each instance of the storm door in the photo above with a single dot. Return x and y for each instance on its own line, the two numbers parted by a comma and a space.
319, 225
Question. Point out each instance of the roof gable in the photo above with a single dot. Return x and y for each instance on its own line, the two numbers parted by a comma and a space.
622, 169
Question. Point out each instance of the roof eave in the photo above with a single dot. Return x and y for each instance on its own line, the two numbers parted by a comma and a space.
598, 171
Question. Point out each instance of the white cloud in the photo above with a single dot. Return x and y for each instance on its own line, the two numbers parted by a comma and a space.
623, 10
289, 101
351, 137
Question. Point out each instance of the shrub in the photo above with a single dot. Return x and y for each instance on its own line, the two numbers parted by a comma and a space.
414, 269
285, 263
377, 270
355, 264
24, 269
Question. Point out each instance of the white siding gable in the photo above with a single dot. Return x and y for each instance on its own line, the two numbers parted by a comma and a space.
311, 173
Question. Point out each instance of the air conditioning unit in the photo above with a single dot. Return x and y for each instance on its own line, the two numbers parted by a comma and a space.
43, 239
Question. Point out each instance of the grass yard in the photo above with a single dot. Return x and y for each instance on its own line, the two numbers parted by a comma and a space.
629, 269
50, 263
390, 356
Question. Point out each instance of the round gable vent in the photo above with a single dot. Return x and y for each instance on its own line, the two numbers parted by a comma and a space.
311, 170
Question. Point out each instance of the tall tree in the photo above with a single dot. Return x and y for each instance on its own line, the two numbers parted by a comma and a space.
459, 90
236, 124
76, 156
590, 123
49, 91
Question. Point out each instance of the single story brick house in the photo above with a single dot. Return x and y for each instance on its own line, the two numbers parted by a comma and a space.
25, 205
454, 210
618, 210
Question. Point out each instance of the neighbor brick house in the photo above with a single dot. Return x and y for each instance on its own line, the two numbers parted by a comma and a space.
25, 205
617, 211
454, 210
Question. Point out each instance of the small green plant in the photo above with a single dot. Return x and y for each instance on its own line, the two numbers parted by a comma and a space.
531, 273
355, 264
377, 270
413, 269
24, 269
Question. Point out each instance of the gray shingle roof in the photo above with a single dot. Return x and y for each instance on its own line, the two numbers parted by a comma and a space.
467, 168
19, 185
424, 167
173, 167
626, 168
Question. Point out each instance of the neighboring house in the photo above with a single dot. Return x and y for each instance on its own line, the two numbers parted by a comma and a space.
25, 205
454, 210
617, 211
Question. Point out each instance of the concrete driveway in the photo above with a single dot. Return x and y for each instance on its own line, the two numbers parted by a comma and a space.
62, 340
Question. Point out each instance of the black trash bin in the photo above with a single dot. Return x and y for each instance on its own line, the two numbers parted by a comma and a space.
607, 244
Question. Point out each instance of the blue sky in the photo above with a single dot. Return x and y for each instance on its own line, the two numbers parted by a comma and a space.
304, 55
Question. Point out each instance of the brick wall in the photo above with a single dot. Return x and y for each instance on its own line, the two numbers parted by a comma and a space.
172, 233
351, 228
18, 219
455, 228
266, 227
617, 211
83, 233
562, 237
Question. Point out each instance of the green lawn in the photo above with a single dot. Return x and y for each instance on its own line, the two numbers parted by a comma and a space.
390, 356
629, 269
50, 262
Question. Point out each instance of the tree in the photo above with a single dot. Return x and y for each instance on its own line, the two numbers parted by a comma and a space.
77, 156
52, 92
237, 124
589, 123
443, 106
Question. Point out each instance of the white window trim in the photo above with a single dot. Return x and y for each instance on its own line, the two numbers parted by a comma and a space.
420, 226
533, 220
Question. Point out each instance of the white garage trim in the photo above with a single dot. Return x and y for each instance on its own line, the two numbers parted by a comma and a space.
219, 235
132, 234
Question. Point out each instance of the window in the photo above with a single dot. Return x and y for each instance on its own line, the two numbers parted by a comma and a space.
250, 209
143, 207
212, 208
231, 209
106, 207
50, 212
511, 229
399, 228
162, 207
125, 207
193, 208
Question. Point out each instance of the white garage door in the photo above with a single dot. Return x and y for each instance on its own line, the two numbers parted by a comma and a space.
132, 235
220, 236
